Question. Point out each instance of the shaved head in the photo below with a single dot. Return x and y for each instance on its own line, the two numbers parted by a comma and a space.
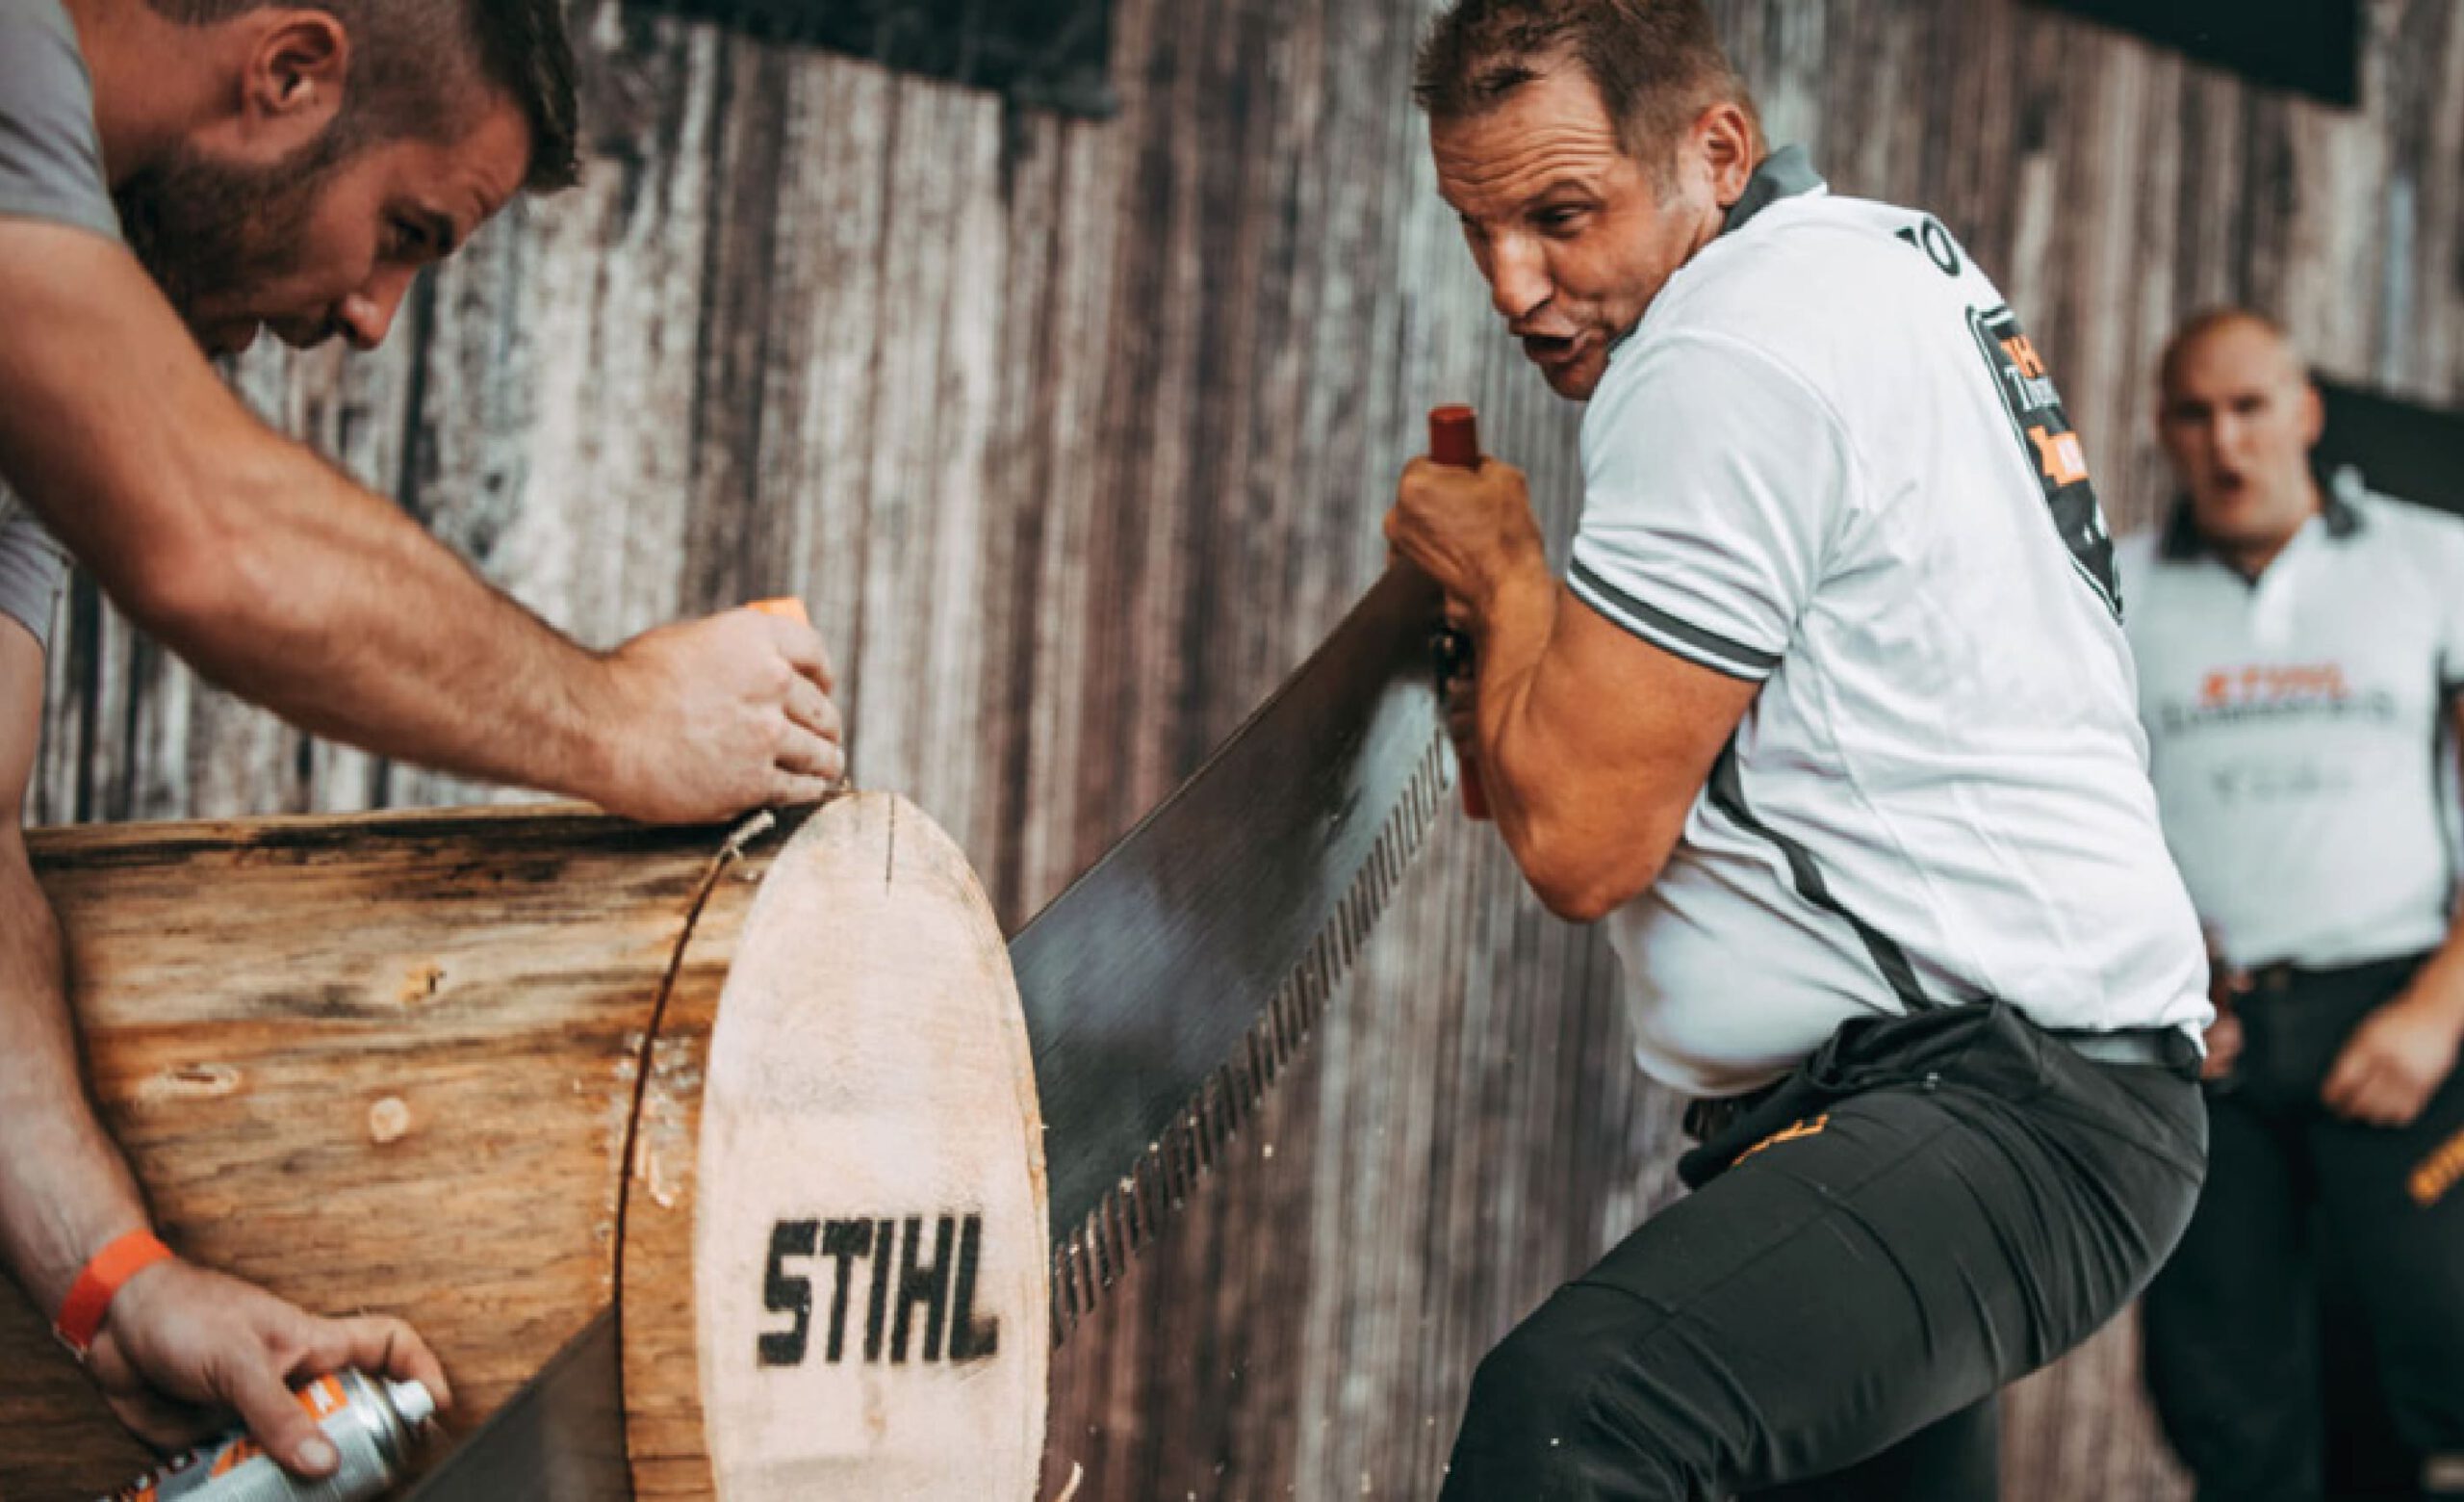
2255, 330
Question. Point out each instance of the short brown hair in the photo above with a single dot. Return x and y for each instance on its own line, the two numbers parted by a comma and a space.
408, 56
1658, 64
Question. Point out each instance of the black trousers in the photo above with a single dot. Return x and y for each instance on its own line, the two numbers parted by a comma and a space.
1930, 1208
2305, 1211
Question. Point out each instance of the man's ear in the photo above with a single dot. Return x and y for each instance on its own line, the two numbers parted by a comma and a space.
1725, 139
298, 61
2314, 414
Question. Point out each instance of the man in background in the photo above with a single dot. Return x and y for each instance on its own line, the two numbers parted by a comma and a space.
175, 177
2300, 651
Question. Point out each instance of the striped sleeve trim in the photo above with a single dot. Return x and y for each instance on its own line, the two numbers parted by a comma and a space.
1702, 648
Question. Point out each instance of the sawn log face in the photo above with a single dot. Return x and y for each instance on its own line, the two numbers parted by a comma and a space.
835, 1278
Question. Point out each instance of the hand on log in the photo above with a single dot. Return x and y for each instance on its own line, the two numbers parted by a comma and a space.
719, 715
185, 1347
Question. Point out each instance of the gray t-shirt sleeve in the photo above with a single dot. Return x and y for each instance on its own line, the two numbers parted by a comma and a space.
51, 168
34, 568
51, 158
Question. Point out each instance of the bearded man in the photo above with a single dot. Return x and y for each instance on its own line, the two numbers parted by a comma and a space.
175, 177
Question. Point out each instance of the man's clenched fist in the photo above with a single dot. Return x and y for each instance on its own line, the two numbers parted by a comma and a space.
184, 1349
709, 718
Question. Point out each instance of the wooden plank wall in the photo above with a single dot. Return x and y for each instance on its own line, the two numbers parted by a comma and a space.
1076, 437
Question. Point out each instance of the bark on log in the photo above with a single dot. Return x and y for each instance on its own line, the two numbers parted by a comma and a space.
398, 1064
384, 1063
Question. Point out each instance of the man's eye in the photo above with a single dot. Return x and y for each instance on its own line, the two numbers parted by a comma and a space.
410, 241
1558, 218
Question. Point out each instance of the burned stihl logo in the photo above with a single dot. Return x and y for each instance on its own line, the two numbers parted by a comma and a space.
884, 1264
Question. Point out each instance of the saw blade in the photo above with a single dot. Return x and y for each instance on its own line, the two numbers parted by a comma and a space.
1166, 987
561, 1438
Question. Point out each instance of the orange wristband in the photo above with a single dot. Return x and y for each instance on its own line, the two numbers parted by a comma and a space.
89, 1296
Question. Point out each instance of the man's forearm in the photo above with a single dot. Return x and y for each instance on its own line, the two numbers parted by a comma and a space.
333, 610
2440, 982
258, 561
1511, 633
64, 1190
1592, 744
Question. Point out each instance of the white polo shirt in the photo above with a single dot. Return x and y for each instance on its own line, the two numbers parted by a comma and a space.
1828, 460
2300, 726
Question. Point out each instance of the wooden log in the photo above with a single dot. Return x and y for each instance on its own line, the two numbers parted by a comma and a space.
370, 1063
460, 1067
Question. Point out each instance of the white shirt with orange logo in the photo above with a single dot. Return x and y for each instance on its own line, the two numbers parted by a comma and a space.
2299, 729
1831, 461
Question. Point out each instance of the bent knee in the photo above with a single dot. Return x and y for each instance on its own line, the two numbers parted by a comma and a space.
1568, 1407
1535, 1382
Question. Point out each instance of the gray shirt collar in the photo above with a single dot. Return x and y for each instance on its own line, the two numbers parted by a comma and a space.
2180, 542
1785, 173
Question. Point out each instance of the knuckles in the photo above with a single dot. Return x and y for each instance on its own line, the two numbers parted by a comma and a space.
1432, 491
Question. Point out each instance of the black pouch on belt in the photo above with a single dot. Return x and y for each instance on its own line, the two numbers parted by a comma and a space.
1987, 1038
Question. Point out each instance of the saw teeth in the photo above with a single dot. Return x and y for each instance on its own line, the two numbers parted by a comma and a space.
1089, 1262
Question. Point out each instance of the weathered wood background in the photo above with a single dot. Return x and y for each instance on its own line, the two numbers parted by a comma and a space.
1076, 436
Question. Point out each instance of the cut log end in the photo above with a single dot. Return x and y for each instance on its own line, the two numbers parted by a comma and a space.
863, 1223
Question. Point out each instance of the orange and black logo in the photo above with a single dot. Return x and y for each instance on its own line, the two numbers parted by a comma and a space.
2051, 445
1797, 1132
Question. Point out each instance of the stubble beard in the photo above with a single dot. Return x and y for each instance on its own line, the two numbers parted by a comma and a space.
210, 233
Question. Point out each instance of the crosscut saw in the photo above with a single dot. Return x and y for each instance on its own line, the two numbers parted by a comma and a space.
1163, 991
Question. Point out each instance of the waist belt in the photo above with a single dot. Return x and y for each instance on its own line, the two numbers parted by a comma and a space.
2283, 977
2154, 1048
1708, 1116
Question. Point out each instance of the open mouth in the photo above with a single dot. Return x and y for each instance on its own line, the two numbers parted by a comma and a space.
1551, 348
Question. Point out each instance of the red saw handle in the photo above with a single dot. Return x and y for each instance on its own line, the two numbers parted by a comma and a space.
1455, 438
